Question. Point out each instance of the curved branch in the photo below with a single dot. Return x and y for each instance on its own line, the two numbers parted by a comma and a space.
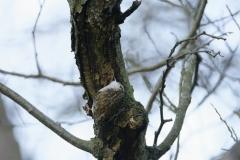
187, 78
41, 76
185, 99
55, 127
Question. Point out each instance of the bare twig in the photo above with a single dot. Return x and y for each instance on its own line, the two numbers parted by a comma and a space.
176, 5
41, 76
234, 133
176, 38
219, 81
218, 20
196, 19
163, 121
229, 129
34, 41
160, 64
189, 5
170, 102
8, 124
183, 105
171, 107
150, 38
144, 77
177, 149
153, 95
222, 73
217, 70
233, 17
172, 59
192, 39
146, 68
209, 42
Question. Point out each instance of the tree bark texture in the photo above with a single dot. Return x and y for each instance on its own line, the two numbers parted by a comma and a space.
95, 39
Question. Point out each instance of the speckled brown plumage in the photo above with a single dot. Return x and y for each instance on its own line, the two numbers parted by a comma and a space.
106, 103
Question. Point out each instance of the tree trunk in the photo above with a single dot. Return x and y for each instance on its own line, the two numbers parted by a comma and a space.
95, 39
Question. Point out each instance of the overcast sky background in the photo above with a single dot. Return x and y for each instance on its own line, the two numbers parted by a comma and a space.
203, 134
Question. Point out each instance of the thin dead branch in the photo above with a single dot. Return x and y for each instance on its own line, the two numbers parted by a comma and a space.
41, 76
170, 65
160, 64
233, 17
150, 38
170, 102
34, 39
221, 72
176, 5
233, 134
218, 20
177, 149
183, 105
217, 84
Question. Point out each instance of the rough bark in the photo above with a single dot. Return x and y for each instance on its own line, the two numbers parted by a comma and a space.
95, 39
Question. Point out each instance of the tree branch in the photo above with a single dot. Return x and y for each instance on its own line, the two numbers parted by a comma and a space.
177, 149
55, 127
185, 99
233, 17
34, 41
176, 5
233, 134
176, 58
41, 76
150, 38
121, 18
163, 121
218, 20
222, 73
185, 94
